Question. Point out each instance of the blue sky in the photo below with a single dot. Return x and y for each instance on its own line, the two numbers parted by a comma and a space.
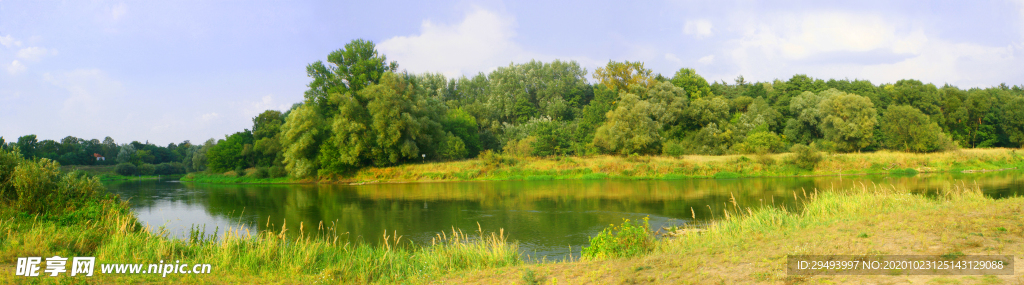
192, 70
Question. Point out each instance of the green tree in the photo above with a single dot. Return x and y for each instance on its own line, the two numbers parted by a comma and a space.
406, 124
630, 128
1013, 121
705, 111
348, 70
27, 144
620, 75
229, 154
452, 148
266, 129
301, 137
693, 83
905, 128
463, 125
848, 120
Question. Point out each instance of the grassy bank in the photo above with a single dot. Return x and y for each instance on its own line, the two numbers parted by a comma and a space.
47, 212
106, 173
750, 245
661, 167
199, 177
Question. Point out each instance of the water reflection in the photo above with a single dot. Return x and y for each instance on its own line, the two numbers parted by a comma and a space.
546, 217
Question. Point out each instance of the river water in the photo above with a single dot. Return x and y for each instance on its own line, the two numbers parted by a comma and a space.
552, 219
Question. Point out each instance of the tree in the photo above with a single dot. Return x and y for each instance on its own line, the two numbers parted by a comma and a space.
267, 142
906, 128
630, 128
301, 136
349, 70
229, 153
406, 124
452, 148
1013, 121
126, 154
693, 83
705, 111
803, 126
463, 125
620, 75
27, 144
848, 120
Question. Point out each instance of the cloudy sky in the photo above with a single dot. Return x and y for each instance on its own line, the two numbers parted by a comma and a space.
174, 71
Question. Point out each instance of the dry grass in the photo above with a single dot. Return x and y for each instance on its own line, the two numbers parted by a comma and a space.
752, 248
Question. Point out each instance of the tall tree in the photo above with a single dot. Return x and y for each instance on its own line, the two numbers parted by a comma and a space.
693, 83
620, 75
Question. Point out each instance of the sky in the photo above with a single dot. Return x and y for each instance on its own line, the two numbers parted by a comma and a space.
171, 71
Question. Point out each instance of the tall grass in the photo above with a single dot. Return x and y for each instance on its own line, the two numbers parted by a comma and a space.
46, 213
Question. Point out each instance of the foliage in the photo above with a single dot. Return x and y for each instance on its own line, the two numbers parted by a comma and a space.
126, 169
693, 83
805, 157
147, 169
906, 128
848, 120
630, 128
39, 187
621, 75
763, 142
233, 151
452, 148
169, 168
628, 239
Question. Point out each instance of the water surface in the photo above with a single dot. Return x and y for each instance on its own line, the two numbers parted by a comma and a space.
548, 218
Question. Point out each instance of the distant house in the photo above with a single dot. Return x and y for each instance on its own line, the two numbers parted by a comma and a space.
99, 157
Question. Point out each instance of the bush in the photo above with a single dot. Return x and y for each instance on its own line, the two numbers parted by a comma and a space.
763, 142
278, 171
126, 169
625, 240
805, 157
260, 172
147, 169
169, 168
492, 159
239, 171
37, 186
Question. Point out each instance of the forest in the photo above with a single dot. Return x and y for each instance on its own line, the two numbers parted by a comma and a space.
360, 110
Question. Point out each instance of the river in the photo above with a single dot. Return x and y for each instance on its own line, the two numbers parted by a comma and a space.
549, 219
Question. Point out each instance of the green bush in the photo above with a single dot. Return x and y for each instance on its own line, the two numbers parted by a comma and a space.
625, 240
492, 159
168, 168
239, 171
147, 169
261, 172
126, 169
38, 186
763, 142
278, 171
805, 157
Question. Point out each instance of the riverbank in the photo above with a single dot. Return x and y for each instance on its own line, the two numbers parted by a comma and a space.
106, 173
500, 167
661, 167
747, 244
752, 247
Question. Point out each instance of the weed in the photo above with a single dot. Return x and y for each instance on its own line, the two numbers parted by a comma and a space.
625, 240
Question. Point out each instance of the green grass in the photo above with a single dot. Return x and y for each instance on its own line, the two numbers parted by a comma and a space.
232, 179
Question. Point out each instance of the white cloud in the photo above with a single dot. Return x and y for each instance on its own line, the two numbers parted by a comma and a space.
33, 53
210, 116
118, 11
866, 46
706, 59
90, 91
480, 43
698, 28
673, 58
9, 41
15, 67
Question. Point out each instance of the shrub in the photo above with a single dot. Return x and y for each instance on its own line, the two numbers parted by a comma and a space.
805, 157
37, 186
147, 169
126, 169
278, 171
260, 172
625, 240
168, 168
453, 148
239, 171
763, 142
492, 159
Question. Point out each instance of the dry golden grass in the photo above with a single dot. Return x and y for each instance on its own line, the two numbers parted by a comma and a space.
753, 249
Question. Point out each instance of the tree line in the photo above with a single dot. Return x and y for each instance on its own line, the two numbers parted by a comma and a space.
360, 111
